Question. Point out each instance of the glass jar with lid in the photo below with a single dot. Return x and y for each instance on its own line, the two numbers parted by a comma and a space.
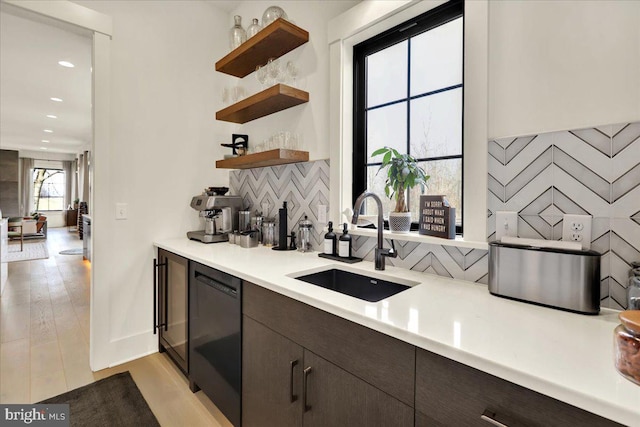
627, 345
269, 233
304, 233
633, 290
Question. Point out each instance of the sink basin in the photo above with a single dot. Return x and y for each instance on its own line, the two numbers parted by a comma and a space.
367, 288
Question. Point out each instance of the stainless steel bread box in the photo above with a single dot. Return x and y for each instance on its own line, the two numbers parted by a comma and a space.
559, 278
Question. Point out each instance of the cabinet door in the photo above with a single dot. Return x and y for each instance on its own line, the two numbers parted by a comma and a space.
173, 306
271, 378
334, 397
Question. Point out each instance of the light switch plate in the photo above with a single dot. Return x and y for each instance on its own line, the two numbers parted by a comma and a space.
121, 210
577, 228
506, 224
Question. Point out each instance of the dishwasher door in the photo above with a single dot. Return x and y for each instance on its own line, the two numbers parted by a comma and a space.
215, 337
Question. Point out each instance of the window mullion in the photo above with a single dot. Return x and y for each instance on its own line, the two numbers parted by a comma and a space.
408, 193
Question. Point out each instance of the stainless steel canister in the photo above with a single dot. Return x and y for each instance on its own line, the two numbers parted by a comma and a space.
244, 220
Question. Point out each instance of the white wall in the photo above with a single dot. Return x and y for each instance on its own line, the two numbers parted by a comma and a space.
312, 60
162, 151
556, 65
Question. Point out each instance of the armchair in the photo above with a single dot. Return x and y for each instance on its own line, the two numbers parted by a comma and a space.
34, 226
15, 226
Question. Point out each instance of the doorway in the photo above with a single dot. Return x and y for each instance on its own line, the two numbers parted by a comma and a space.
100, 28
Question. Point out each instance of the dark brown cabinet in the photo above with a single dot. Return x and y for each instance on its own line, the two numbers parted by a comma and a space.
71, 218
171, 310
334, 397
271, 377
303, 366
449, 393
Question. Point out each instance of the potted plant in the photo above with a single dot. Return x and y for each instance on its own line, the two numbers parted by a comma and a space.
403, 173
75, 203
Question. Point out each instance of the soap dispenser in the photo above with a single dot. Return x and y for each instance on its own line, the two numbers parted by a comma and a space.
330, 241
344, 244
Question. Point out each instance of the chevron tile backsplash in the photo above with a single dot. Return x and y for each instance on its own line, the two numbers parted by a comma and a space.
593, 171
303, 186
448, 261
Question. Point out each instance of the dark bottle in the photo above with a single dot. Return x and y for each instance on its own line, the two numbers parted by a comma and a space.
283, 229
344, 245
330, 241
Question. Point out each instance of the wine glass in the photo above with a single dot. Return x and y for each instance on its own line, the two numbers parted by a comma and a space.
261, 74
273, 70
292, 71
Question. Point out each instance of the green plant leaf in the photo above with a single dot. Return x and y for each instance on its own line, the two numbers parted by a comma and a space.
379, 151
386, 158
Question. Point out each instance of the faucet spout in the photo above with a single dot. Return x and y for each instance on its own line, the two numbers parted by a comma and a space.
380, 252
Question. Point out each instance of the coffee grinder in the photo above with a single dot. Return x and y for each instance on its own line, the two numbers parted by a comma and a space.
220, 215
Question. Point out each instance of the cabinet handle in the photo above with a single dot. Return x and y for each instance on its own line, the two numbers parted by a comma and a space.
293, 364
305, 375
155, 296
156, 299
489, 417
166, 295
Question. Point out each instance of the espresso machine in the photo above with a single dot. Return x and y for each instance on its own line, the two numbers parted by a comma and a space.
220, 215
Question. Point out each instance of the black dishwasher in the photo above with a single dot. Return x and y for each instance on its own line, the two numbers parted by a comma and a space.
215, 338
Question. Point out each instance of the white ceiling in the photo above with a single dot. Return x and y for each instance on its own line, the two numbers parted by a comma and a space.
30, 49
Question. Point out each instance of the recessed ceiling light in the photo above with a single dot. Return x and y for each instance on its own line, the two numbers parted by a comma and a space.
56, 99
45, 140
48, 131
43, 148
51, 116
66, 64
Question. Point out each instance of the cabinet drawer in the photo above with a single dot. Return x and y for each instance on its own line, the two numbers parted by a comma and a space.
380, 360
449, 393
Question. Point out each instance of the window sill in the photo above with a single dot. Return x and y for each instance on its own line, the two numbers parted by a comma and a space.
413, 236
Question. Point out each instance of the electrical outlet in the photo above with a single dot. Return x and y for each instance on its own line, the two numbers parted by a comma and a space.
577, 228
506, 224
322, 214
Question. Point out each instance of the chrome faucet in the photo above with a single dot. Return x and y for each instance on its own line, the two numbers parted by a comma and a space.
380, 252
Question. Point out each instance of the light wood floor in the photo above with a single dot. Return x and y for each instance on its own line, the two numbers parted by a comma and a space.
44, 341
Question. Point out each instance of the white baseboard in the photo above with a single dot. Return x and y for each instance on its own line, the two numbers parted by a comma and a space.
133, 347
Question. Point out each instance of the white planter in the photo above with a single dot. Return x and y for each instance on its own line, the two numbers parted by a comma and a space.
400, 222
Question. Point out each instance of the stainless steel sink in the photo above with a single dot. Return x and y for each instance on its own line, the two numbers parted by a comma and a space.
357, 285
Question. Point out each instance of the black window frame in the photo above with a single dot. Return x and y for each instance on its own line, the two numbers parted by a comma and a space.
427, 21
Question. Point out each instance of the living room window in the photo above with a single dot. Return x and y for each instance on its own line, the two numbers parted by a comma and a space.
408, 94
48, 189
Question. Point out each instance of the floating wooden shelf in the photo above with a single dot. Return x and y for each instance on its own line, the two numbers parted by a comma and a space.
276, 39
275, 157
276, 98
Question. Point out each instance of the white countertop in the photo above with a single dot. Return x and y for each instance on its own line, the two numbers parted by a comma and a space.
563, 355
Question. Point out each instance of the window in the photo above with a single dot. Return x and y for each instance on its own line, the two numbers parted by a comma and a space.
408, 94
48, 189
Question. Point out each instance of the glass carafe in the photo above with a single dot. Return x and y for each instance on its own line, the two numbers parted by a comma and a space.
237, 35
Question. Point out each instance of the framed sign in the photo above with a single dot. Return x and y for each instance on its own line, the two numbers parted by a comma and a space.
437, 218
